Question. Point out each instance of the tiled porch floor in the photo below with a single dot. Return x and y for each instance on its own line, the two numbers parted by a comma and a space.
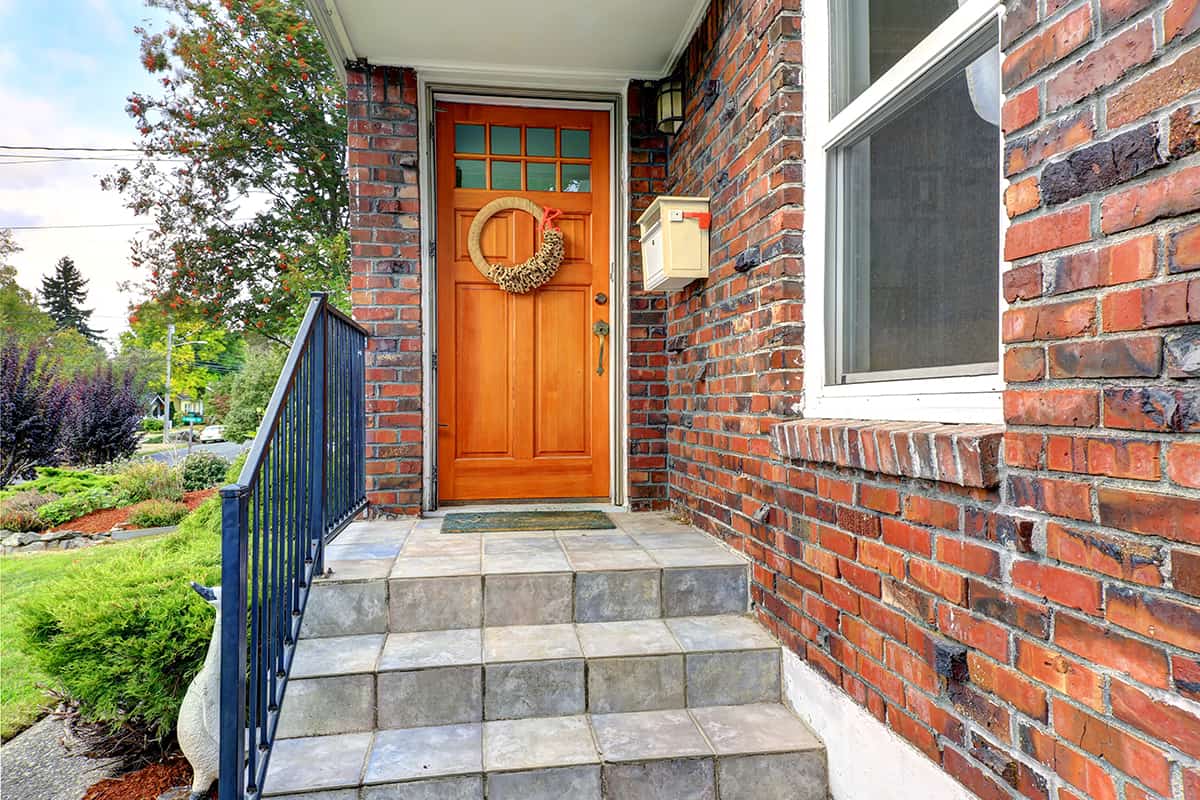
418, 548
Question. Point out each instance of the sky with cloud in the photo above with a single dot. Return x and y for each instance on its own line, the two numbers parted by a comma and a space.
66, 68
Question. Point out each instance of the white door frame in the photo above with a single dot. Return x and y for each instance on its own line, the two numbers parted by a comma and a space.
606, 95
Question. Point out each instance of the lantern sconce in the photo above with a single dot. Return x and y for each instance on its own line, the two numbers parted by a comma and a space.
670, 106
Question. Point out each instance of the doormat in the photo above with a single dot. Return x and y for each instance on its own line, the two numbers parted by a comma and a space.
526, 521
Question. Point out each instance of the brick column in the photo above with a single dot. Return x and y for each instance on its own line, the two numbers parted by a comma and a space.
386, 280
734, 341
647, 341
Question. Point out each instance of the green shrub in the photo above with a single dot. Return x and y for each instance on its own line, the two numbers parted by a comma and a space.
149, 480
75, 505
126, 635
156, 513
152, 424
202, 470
19, 512
61, 481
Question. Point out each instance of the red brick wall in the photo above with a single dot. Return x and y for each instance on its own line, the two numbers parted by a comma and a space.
385, 282
1034, 630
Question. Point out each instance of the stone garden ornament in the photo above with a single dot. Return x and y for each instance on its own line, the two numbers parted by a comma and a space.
198, 730
528, 275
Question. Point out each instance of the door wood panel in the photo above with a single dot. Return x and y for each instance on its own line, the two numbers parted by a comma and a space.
522, 410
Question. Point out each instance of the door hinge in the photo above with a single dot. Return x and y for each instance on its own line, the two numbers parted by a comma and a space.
434, 361
432, 248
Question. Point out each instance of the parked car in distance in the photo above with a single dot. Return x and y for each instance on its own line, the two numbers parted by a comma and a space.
213, 433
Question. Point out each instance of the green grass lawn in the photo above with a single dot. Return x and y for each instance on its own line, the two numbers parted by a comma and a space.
21, 699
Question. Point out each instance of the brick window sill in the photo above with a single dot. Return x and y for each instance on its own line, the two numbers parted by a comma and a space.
965, 455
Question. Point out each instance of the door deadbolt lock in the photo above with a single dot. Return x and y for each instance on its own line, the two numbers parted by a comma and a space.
601, 329
601, 298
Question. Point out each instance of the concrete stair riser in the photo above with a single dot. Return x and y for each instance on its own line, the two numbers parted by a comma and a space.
467, 601
448, 677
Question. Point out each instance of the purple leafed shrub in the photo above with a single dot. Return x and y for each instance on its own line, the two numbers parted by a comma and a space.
103, 418
33, 402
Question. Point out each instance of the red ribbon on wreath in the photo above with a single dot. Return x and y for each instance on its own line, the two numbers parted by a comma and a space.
548, 216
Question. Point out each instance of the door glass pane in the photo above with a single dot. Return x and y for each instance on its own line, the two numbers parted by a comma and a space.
539, 177
539, 141
576, 144
576, 178
468, 138
506, 175
506, 141
870, 36
920, 250
469, 174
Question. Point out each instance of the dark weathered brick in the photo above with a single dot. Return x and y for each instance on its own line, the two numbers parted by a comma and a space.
1152, 409
1107, 358
1101, 165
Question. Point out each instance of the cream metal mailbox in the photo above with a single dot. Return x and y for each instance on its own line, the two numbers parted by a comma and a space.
674, 242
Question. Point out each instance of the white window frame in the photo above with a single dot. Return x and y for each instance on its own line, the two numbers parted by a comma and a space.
966, 399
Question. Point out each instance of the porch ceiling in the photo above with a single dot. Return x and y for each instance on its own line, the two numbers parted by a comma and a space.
559, 39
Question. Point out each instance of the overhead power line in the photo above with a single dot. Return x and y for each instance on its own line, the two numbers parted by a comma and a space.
26, 158
95, 225
68, 149
64, 227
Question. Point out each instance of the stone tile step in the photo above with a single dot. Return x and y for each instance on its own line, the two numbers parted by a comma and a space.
760, 751
401, 680
369, 604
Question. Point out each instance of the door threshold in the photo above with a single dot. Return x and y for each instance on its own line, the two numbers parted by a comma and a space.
483, 508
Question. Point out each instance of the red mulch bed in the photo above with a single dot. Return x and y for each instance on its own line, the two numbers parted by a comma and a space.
146, 783
103, 521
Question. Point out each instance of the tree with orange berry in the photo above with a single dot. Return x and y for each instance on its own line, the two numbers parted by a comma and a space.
243, 168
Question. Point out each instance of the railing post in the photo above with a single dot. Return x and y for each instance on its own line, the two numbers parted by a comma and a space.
232, 742
317, 456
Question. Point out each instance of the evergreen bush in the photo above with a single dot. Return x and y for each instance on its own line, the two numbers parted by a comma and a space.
156, 513
61, 481
203, 470
75, 505
149, 480
124, 637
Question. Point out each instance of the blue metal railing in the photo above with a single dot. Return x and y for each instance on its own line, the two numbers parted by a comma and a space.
304, 480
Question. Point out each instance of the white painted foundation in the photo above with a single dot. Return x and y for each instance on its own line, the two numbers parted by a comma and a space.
867, 761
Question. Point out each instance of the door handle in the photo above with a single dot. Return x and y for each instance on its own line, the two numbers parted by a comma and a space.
601, 329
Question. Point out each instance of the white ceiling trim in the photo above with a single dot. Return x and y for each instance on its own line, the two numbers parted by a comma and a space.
619, 42
506, 77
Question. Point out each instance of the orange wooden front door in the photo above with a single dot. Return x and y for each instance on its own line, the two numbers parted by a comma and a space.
523, 412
